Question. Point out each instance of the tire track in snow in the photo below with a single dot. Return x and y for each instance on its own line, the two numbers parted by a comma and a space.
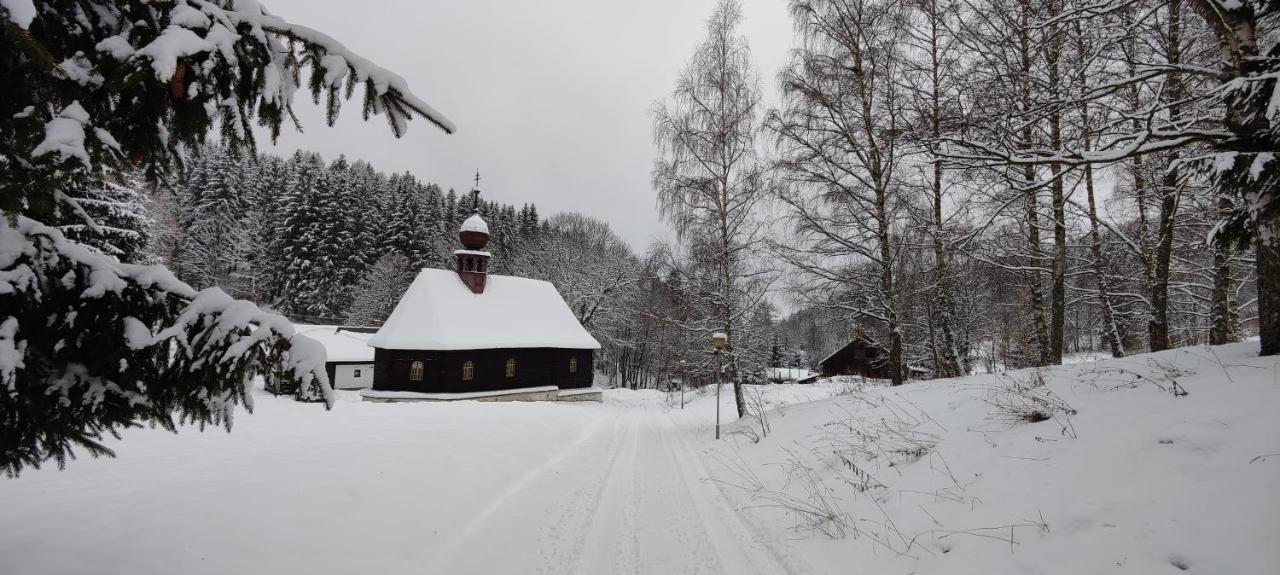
682, 542
565, 539
736, 548
656, 514
608, 544
474, 527
633, 497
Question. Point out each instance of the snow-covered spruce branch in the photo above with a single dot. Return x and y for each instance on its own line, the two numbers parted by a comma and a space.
393, 96
126, 345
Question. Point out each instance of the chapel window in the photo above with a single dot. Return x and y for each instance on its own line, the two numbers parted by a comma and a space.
468, 371
511, 367
415, 371
573, 365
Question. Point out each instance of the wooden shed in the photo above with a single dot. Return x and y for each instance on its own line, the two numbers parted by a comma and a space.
860, 356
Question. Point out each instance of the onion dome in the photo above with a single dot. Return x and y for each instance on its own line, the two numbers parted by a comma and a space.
474, 234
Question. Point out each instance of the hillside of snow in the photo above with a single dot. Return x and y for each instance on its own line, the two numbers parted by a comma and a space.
1158, 463
1103, 469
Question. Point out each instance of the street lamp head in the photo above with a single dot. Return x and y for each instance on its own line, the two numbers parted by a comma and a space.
719, 340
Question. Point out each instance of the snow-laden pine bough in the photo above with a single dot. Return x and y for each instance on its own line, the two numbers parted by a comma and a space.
92, 81
90, 345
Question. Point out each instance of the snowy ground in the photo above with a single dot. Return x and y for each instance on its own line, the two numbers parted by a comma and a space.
1150, 484
933, 477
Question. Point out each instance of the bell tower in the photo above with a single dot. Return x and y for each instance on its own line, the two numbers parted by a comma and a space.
473, 261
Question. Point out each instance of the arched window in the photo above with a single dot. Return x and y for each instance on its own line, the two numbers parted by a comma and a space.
468, 371
511, 367
573, 365
415, 371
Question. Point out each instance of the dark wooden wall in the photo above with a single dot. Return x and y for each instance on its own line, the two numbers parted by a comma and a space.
857, 358
442, 371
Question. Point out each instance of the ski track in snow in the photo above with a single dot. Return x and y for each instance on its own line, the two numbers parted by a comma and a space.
633, 497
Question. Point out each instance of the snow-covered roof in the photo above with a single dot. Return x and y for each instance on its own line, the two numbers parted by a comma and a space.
853, 340
439, 312
475, 223
790, 373
340, 344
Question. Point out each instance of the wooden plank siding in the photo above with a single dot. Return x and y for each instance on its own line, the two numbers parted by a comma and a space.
858, 357
442, 371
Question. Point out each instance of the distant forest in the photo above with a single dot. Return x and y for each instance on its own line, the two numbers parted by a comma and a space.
299, 235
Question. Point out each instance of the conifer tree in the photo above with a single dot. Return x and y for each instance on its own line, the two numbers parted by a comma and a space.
216, 239
91, 345
380, 290
117, 212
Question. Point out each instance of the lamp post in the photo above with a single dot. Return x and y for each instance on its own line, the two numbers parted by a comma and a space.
719, 341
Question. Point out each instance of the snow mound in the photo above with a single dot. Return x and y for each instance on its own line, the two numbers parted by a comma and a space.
1158, 463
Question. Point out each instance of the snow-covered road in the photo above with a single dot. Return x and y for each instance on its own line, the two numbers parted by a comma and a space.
461, 487
629, 495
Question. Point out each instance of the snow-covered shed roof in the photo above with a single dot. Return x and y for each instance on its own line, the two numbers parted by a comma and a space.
340, 344
439, 312
475, 223
790, 373
855, 339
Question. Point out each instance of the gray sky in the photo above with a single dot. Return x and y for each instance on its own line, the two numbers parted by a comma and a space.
551, 98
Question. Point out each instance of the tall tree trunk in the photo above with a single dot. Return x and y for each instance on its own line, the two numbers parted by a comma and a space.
1145, 252
1100, 269
886, 283
1058, 279
726, 287
1100, 264
1236, 28
1032, 202
1036, 260
1169, 196
1158, 328
946, 360
1221, 323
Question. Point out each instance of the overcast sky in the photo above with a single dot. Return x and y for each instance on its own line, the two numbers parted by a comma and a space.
552, 98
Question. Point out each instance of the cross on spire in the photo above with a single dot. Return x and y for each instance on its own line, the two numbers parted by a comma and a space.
475, 194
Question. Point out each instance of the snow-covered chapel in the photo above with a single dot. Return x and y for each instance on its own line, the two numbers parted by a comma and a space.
464, 333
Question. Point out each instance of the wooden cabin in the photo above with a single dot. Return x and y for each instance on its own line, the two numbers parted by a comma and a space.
464, 331
860, 356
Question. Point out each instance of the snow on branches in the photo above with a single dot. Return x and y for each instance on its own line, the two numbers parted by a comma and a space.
152, 78
89, 345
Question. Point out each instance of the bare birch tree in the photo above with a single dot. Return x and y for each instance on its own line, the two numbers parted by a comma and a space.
841, 137
707, 174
